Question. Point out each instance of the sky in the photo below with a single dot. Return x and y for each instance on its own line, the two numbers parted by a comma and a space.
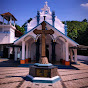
65, 10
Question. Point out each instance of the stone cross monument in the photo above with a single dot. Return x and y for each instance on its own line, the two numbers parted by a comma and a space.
43, 32
43, 69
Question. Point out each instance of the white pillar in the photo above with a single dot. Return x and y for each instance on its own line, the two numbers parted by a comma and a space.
20, 53
26, 50
71, 54
15, 54
14, 23
67, 51
63, 51
23, 50
75, 55
10, 20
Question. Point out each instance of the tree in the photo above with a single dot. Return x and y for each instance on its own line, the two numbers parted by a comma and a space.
21, 29
85, 20
78, 31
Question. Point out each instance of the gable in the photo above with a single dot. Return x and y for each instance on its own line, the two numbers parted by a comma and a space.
56, 34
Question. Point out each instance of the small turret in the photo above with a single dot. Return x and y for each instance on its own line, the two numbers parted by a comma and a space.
25, 27
38, 17
53, 17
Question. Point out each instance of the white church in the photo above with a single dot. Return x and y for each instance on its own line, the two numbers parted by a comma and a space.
27, 48
58, 45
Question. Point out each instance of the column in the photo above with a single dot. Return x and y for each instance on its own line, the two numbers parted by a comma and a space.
71, 55
75, 55
37, 50
29, 53
63, 53
10, 20
15, 54
20, 53
23, 53
67, 54
14, 23
53, 52
26, 60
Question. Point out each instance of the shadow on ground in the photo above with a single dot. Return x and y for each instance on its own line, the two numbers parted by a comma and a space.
84, 62
12, 63
23, 77
58, 66
9, 63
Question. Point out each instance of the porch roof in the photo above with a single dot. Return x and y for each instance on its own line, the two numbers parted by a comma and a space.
7, 16
50, 26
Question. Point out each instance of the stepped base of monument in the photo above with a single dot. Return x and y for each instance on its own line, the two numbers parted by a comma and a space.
42, 79
43, 73
43, 70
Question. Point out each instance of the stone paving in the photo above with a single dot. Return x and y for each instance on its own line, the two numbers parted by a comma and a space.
12, 77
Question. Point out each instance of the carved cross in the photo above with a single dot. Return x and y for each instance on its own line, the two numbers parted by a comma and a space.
43, 33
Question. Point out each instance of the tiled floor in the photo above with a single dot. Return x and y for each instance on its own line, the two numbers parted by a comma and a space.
12, 77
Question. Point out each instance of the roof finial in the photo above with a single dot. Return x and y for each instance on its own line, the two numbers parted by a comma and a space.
46, 3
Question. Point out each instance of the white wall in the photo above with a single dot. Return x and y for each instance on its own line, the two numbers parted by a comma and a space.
4, 37
7, 35
12, 35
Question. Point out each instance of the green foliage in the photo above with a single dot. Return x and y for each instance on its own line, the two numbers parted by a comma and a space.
85, 20
21, 29
78, 31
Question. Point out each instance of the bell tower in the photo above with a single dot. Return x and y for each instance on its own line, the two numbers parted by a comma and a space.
46, 9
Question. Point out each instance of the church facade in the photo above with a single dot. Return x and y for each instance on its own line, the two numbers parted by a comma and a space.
58, 45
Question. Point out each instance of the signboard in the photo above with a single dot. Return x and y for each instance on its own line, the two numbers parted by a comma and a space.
42, 72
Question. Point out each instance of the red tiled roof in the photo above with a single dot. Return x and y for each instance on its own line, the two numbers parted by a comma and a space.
7, 16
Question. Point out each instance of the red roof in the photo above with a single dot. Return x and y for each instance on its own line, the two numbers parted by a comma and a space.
8, 15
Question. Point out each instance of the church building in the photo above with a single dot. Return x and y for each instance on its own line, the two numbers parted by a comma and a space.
57, 45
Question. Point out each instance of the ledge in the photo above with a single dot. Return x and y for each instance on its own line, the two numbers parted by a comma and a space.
42, 79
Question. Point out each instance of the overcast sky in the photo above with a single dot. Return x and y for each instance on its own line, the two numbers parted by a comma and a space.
64, 9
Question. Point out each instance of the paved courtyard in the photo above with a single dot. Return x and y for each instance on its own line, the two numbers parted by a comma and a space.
13, 76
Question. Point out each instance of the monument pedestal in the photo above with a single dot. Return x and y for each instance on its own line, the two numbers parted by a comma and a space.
43, 70
43, 73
